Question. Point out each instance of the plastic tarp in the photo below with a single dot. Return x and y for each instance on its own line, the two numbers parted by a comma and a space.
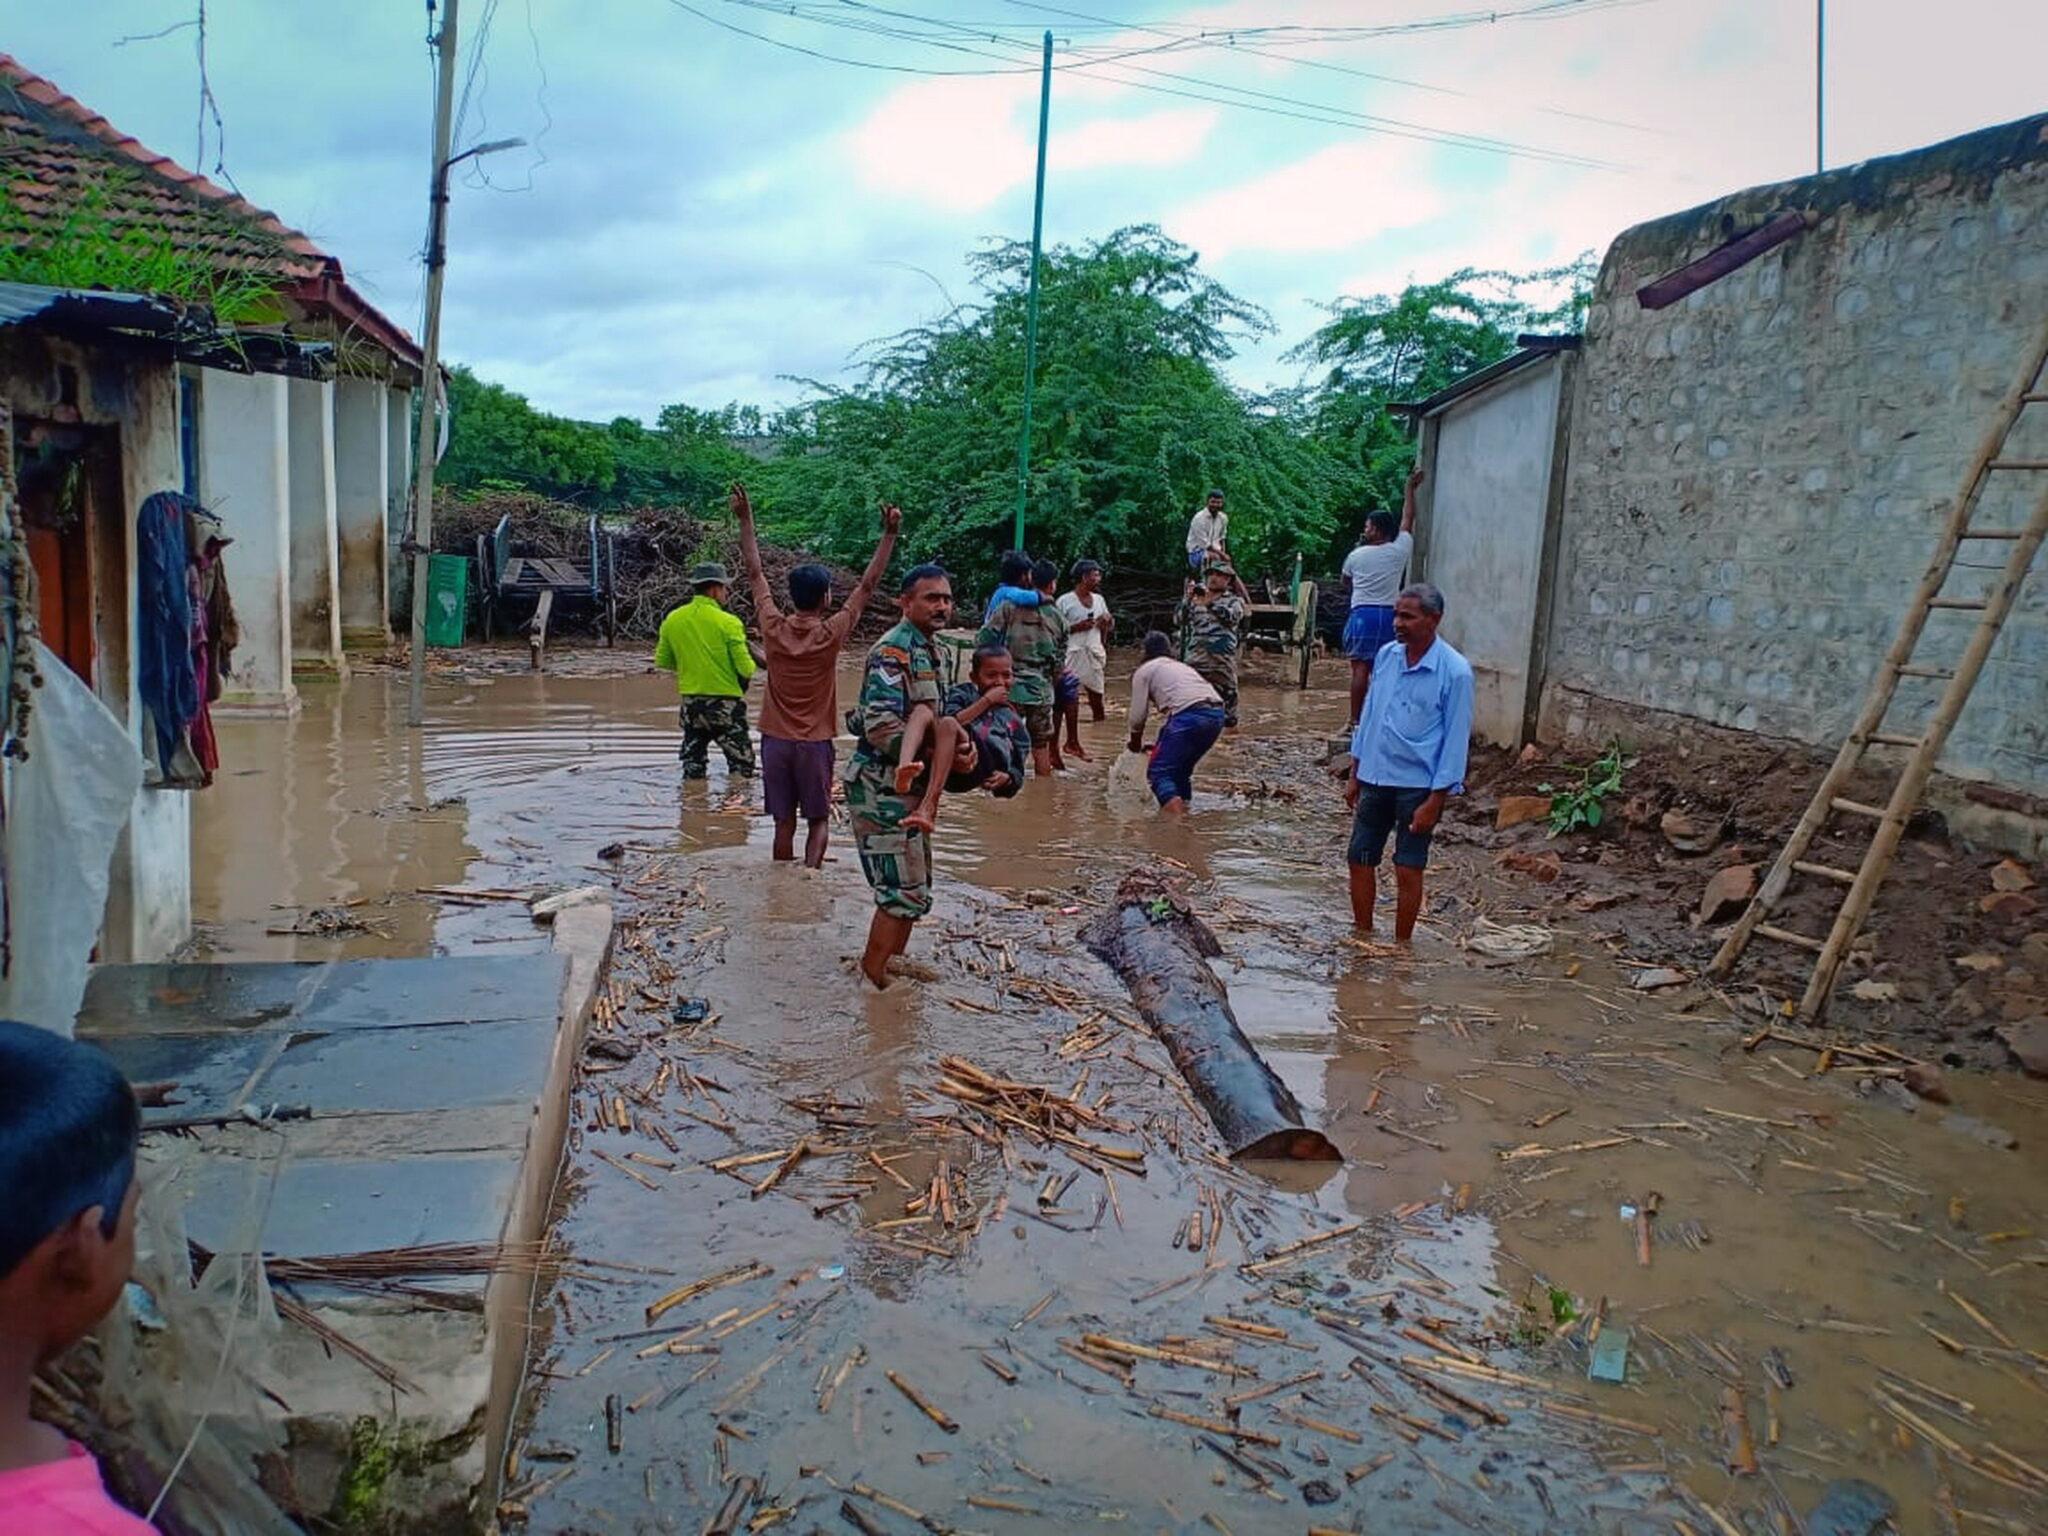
66, 806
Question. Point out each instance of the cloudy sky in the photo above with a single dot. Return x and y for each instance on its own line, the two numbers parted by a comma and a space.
721, 194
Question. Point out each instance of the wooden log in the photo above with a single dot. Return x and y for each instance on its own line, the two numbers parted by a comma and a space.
1161, 950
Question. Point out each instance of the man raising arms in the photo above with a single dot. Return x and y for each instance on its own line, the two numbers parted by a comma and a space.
800, 716
1375, 568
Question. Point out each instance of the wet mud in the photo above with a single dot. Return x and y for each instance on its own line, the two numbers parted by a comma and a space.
1807, 1273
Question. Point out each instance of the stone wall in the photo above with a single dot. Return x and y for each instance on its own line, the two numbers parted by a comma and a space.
1758, 473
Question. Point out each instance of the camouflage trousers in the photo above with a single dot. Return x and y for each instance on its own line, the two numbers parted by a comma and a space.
713, 717
897, 861
1220, 673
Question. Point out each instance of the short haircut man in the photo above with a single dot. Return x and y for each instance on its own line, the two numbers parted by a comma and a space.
1407, 756
810, 586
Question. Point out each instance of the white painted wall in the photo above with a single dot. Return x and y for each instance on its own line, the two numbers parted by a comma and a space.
149, 899
1488, 494
315, 557
362, 485
245, 481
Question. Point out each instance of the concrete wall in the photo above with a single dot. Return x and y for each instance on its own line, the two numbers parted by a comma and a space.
398, 570
1758, 474
245, 481
362, 486
149, 896
1482, 540
315, 557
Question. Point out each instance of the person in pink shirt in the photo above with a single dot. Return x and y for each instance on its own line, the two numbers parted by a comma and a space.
68, 1130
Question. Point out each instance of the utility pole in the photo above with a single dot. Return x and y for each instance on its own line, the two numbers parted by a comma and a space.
1031, 301
430, 364
1820, 80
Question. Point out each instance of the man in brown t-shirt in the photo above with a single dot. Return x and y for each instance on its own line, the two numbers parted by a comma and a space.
801, 715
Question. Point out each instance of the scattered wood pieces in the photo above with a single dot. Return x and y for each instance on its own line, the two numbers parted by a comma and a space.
923, 1406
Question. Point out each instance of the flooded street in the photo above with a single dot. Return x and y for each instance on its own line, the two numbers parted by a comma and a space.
824, 1265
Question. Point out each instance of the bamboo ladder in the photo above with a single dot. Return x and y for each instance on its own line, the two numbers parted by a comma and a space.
1922, 749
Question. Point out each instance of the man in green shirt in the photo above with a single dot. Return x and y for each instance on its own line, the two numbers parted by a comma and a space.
1036, 639
901, 672
706, 648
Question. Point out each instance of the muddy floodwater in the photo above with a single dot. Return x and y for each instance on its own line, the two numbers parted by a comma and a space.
963, 1254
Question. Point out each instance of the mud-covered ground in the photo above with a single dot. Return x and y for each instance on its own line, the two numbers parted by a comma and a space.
1814, 1274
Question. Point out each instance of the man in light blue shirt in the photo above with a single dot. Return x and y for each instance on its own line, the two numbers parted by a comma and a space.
1407, 756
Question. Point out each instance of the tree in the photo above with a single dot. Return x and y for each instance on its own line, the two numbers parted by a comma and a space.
1132, 421
1381, 351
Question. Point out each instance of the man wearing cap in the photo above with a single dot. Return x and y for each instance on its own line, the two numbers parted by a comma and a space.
1211, 619
706, 648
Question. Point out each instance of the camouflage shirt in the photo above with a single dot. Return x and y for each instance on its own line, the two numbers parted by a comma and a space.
1211, 628
901, 671
1037, 638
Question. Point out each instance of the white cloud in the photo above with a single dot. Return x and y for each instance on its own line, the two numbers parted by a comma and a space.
1335, 198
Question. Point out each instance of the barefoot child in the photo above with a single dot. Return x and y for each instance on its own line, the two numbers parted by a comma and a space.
989, 745
68, 1128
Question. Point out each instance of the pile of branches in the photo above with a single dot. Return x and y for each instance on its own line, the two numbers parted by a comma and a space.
654, 550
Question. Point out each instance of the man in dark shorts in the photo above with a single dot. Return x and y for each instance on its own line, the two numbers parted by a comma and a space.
901, 672
1407, 756
801, 715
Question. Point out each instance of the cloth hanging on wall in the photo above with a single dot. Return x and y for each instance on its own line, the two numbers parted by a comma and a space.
163, 626
67, 803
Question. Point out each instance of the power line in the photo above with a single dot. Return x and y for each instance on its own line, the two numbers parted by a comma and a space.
1234, 40
1182, 86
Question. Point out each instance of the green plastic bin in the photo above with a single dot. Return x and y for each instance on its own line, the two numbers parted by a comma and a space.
447, 598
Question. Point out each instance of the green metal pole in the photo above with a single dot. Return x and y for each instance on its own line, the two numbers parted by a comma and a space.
1031, 302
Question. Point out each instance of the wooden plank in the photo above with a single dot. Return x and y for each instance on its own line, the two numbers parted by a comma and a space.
537, 633
514, 569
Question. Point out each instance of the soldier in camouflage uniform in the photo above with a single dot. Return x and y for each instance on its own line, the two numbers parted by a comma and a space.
1036, 639
1211, 618
901, 671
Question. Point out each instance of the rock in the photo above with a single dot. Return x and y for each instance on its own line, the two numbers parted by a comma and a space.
1727, 893
1925, 1079
1689, 834
2028, 1041
1530, 756
2010, 905
544, 908
1980, 1130
609, 1048
1318, 1491
2034, 951
1596, 901
1545, 867
612, 851
1875, 991
1658, 976
1978, 962
2011, 875
1638, 811
1516, 809
1850, 1507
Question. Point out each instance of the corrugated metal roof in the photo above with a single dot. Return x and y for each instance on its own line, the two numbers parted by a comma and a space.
87, 308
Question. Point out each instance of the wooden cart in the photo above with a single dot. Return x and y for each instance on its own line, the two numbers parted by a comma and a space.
1286, 626
509, 581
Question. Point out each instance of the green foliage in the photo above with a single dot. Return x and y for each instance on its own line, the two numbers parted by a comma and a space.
1384, 350
1132, 421
90, 249
1579, 805
498, 441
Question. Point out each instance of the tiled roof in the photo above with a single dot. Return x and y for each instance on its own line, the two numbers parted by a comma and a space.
56, 154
